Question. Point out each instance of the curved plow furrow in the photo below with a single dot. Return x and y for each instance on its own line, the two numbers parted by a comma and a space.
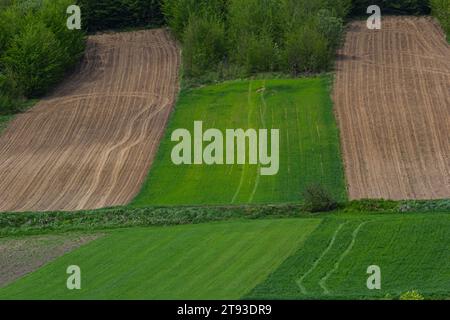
392, 96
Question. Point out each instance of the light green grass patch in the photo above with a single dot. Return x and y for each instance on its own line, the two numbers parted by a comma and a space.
309, 145
210, 261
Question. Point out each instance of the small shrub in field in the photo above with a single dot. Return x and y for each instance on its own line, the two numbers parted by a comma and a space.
412, 295
12, 22
318, 199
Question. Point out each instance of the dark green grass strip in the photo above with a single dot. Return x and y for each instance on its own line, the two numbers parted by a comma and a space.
411, 250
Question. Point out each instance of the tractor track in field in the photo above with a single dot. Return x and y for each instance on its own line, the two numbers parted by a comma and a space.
91, 142
392, 101
320, 258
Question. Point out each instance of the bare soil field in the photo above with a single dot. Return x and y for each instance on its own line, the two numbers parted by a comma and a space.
90, 144
392, 98
24, 255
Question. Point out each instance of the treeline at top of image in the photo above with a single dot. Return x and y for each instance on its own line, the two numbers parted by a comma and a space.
36, 49
221, 39
414, 7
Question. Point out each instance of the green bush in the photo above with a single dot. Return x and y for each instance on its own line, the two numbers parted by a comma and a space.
319, 199
178, 12
34, 59
340, 8
441, 10
330, 27
307, 51
36, 48
205, 45
72, 42
256, 34
257, 53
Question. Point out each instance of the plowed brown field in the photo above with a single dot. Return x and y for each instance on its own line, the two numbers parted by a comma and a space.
392, 96
90, 144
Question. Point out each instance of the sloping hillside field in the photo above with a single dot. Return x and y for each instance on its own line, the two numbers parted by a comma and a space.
392, 98
91, 142
219, 260
323, 257
308, 144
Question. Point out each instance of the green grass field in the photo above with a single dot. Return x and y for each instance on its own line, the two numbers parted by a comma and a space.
309, 145
412, 252
219, 260
323, 257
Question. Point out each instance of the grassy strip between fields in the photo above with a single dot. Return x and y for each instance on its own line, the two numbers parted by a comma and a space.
123, 217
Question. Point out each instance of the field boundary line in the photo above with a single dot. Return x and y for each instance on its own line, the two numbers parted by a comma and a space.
316, 263
355, 233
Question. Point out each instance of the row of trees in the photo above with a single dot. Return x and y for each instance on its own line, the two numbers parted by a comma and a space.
36, 49
114, 14
222, 38
295, 36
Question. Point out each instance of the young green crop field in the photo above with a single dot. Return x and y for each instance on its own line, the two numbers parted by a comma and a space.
412, 252
304, 258
309, 144
218, 260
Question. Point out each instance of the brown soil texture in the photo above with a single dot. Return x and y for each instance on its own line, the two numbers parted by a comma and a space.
91, 143
392, 100
19, 257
